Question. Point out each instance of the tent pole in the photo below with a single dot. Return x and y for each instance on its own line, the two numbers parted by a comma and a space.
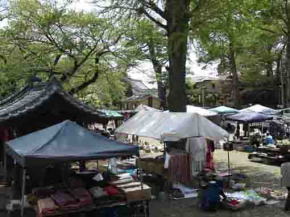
23, 191
5, 163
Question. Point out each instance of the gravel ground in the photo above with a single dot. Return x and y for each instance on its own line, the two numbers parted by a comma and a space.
260, 175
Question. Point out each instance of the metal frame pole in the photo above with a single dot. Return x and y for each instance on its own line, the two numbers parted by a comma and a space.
229, 167
23, 191
5, 163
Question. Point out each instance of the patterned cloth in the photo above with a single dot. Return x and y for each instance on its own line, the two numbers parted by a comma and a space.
285, 172
197, 148
179, 167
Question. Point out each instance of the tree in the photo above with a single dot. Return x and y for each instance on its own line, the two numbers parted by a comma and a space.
173, 16
222, 39
48, 40
148, 43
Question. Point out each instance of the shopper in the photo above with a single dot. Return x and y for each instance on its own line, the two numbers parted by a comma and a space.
269, 139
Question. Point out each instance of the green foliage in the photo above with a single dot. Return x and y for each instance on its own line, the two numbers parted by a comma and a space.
106, 92
46, 39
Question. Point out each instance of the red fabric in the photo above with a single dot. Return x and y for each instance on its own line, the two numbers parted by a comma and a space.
234, 202
63, 199
5, 134
83, 196
111, 190
209, 155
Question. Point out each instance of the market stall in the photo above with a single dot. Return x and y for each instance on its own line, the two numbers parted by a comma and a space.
188, 139
65, 143
171, 126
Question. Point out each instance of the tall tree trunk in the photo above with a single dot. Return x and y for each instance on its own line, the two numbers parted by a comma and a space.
287, 61
161, 87
177, 14
287, 85
157, 66
234, 73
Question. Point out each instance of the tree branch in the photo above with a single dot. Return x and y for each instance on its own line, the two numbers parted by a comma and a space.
151, 5
158, 23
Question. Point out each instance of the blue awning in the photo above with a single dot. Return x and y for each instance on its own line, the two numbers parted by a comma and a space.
249, 117
66, 141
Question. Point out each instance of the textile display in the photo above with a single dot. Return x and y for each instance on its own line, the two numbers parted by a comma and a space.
83, 196
167, 159
197, 147
46, 206
98, 192
179, 167
5, 134
63, 199
111, 190
209, 155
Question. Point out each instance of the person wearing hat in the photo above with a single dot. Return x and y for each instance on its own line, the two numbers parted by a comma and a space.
211, 196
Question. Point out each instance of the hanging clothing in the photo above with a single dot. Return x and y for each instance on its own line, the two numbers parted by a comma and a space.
167, 159
5, 134
209, 155
197, 147
179, 167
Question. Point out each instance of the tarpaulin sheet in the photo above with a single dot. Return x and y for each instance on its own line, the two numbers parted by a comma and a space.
199, 110
171, 126
66, 141
260, 109
224, 110
249, 117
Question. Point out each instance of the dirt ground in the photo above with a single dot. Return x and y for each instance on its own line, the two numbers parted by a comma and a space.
260, 175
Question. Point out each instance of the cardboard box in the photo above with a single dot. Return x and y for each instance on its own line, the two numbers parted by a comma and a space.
137, 193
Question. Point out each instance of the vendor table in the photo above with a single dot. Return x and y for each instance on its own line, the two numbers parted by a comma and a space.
274, 154
144, 203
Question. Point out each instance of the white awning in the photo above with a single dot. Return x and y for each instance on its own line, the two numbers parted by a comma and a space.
171, 126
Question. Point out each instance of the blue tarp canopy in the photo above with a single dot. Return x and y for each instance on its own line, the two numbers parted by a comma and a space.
260, 109
66, 141
224, 110
249, 117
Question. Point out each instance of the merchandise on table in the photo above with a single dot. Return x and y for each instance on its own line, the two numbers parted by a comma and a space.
83, 196
46, 206
249, 196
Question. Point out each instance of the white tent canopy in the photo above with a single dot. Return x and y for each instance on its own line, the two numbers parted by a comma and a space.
171, 126
142, 107
260, 109
200, 111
